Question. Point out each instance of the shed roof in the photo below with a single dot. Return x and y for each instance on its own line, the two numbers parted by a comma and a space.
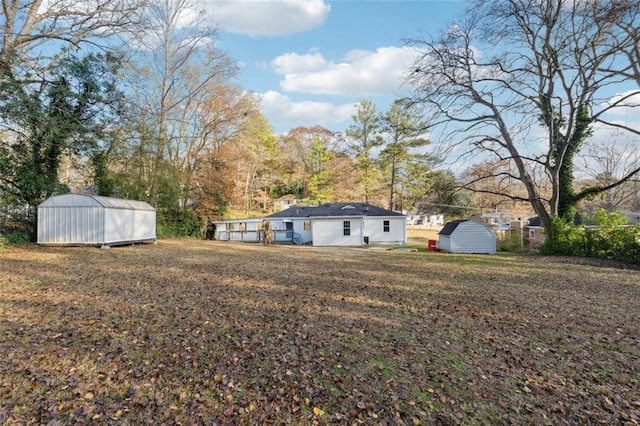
449, 227
333, 210
87, 200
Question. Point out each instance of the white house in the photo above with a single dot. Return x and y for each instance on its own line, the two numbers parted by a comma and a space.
467, 236
79, 219
331, 224
342, 224
424, 219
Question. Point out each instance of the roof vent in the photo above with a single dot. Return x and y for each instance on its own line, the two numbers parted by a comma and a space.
348, 207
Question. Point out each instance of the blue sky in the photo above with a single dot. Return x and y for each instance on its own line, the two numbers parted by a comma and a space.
311, 61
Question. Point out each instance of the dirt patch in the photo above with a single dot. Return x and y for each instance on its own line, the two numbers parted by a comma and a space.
216, 333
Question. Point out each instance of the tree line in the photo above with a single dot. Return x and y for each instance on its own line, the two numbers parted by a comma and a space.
133, 98
164, 122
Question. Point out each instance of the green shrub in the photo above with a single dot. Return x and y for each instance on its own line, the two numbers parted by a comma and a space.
17, 238
610, 238
563, 238
177, 224
512, 242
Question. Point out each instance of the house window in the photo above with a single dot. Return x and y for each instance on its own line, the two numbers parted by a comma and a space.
307, 225
346, 227
532, 234
385, 226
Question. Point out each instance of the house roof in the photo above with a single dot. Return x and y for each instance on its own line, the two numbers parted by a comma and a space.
334, 209
536, 221
449, 227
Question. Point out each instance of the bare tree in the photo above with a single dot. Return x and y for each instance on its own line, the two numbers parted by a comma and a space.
183, 92
488, 182
37, 33
604, 163
526, 81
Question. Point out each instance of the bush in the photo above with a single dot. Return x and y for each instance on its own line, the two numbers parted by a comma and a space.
610, 238
512, 241
18, 238
563, 238
177, 224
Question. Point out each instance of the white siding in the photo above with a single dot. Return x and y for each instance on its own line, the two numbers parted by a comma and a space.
300, 235
444, 241
374, 229
329, 231
470, 237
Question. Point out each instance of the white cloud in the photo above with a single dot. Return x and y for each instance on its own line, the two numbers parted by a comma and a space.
626, 104
281, 110
268, 17
360, 73
292, 63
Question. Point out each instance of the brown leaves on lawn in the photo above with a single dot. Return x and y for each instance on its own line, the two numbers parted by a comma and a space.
199, 332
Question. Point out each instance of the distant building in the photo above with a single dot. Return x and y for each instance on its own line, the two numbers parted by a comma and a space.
285, 202
424, 219
496, 220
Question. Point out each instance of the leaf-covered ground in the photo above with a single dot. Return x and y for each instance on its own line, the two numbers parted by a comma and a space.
201, 332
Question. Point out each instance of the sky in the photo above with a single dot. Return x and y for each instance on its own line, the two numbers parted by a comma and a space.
312, 61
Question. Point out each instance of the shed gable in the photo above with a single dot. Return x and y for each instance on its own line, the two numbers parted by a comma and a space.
467, 236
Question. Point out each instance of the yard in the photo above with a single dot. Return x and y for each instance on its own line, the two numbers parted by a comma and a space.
203, 332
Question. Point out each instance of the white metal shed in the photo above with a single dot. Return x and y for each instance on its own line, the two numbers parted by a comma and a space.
467, 236
79, 219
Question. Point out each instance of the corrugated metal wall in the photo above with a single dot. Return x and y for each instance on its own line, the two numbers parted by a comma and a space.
71, 225
128, 225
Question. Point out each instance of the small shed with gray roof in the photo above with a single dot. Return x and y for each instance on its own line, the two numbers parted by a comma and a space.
467, 236
81, 219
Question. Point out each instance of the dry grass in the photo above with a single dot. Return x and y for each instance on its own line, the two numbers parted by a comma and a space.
201, 332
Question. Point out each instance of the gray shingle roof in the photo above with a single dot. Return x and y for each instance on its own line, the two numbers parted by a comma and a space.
334, 209
449, 227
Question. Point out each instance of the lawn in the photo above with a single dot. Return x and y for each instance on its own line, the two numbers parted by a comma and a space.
203, 332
